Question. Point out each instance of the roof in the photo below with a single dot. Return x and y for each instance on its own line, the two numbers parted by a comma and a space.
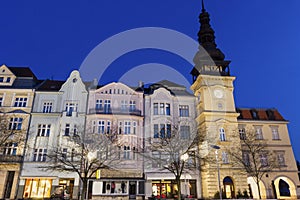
259, 114
22, 72
50, 85
174, 88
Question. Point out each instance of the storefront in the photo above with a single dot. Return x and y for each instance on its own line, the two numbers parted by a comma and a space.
37, 188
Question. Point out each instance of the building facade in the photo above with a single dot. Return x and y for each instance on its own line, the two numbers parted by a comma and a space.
17, 86
58, 113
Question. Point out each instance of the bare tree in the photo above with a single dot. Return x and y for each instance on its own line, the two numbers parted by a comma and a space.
252, 154
85, 155
174, 150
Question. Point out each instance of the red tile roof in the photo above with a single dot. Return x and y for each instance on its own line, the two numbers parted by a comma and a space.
259, 114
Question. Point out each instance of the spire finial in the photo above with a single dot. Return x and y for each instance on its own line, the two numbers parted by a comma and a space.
203, 8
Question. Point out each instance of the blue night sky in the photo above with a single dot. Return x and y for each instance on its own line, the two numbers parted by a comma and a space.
260, 37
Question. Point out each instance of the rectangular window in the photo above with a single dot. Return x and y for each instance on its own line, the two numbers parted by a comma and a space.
64, 153
101, 126
107, 108
281, 159
242, 134
184, 111
1, 79
225, 158
124, 105
155, 131
127, 127
168, 109
134, 128
156, 159
162, 130
8, 79
1, 101
67, 130
75, 130
94, 126
15, 123
222, 134
99, 105
47, 107
169, 133
161, 108
246, 158
155, 109
108, 127
275, 133
184, 132
44, 130
10, 148
120, 128
126, 152
132, 106
20, 102
71, 107
264, 160
39, 155
259, 134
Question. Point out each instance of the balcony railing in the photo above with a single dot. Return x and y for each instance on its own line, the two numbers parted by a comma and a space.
11, 158
118, 111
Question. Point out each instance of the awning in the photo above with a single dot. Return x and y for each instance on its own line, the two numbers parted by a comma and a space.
166, 176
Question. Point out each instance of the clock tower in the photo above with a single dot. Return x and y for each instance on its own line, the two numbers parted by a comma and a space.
217, 116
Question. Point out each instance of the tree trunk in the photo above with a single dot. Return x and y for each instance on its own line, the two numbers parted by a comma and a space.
259, 194
84, 188
178, 186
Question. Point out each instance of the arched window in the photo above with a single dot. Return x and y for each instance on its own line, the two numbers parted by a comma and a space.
284, 188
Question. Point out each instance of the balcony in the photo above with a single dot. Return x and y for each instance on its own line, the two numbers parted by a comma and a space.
11, 158
115, 111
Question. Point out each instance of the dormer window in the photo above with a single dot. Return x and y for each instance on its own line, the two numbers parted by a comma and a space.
8, 80
254, 114
1, 79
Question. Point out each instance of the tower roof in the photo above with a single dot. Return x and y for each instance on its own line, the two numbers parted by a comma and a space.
212, 55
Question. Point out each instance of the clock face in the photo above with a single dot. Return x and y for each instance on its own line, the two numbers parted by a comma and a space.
218, 93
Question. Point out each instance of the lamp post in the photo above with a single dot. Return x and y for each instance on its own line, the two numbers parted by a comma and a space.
185, 157
216, 147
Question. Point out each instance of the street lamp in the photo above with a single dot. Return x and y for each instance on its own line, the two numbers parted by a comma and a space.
185, 157
216, 147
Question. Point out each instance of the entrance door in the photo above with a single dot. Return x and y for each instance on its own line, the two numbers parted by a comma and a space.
132, 189
9, 183
229, 187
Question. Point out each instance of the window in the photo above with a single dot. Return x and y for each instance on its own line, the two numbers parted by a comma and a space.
169, 131
168, 110
259, 134
99, 105
1, 79
134, 128
71, 107
126, 155
222, 134
94, 127
246, 159
20, 102
47, 107
280, 159
39, 155
124, 105
64, 153
275, 133
44, 130
225, 158
10, 148
242, 134
67, 130
75, 130
155, 131
132, 106
101, 126
1, 101
155, 109
15, 123
184, 132
8, 79
156, 159
120, 127
127, 127
108, 127
162, 130
107, 108
161, 108
264, 160
183, 111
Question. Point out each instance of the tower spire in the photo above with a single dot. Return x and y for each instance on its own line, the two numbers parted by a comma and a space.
206, 39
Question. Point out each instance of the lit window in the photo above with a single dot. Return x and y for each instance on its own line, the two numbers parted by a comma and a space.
20, 102
39, 155
15, 123
47, 107
44, 130
183, 111
222, 134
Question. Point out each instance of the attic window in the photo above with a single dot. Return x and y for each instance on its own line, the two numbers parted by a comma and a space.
3, 70
270, 114
254, 114
1, 79
8, 79
74, 80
